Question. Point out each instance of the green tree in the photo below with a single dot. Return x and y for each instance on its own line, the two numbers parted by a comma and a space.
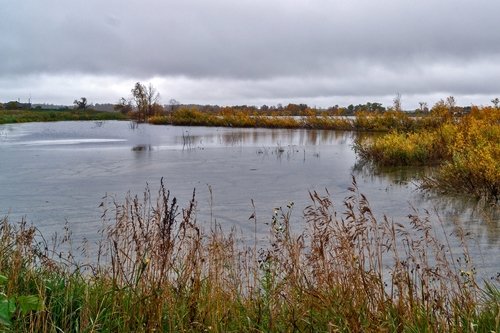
374, 107
496, 102
81, 104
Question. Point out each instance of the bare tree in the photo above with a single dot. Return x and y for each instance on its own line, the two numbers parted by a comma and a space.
173, 104
124, 106
496, 102
396, 102
451, 104
423, 106
145, 97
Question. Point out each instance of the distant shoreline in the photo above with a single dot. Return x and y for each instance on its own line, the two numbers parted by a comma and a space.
26, 116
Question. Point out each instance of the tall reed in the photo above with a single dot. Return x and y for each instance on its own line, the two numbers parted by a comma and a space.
158, 269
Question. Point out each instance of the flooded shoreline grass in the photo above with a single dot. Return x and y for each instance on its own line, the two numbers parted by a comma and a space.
157, 269
24, 116
465, 149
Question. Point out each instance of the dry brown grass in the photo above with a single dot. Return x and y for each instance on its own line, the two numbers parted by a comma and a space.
348, 271
345, 270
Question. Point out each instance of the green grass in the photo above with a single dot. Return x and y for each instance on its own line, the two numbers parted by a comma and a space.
159, 270
24, 116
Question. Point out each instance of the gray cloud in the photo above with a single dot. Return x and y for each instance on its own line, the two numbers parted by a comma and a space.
255, 49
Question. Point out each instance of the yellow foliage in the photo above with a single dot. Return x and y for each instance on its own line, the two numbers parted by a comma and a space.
466, 147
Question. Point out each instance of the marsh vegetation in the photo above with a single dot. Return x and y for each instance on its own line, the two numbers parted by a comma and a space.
336, 265
159, 270
466, 150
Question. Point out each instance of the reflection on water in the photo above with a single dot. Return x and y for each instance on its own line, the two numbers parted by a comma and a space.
53, 172
260, 137
142, 148
480, 218
401, 175
101, 132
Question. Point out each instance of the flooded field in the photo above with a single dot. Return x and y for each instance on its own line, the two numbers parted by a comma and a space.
58, 173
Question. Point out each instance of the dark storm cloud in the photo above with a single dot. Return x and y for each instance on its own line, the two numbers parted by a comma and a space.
266, 49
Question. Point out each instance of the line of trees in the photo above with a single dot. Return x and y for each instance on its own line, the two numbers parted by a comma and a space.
144, 103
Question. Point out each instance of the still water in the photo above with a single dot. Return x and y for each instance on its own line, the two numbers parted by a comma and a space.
57, 173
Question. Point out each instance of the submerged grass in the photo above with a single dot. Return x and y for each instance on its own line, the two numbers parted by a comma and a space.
159, 270
24, 116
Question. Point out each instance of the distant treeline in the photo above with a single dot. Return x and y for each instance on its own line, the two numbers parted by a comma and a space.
15, 105
304, 109
145, 103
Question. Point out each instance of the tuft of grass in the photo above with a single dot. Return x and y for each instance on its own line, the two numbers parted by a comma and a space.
159, 270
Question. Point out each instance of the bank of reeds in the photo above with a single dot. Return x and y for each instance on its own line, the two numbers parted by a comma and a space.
394, 121
159, 270
466, 149
363, 121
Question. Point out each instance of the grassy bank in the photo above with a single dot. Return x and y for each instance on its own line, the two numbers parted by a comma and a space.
24, 116
159, 270
466, 149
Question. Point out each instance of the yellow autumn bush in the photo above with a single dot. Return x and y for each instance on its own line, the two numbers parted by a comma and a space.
474, 166
467, 148
398, 148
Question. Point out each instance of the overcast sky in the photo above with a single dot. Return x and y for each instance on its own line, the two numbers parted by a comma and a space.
226, 52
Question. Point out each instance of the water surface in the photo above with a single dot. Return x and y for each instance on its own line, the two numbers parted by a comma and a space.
53, 173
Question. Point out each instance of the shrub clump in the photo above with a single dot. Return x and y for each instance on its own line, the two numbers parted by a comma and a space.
466, 149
